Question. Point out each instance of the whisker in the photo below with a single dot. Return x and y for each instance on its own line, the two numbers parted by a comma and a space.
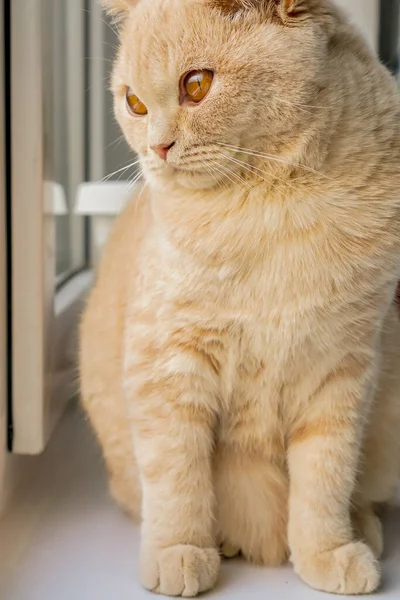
246, 166
123, 174
134, 179
217, 167
250, 168
121, 171
210, 166
102, 58
273, 158
144, 186
113, 46
139, 197
240, 179
116, 141
114, 30
210, 171
107, 177
262, 155
102, 79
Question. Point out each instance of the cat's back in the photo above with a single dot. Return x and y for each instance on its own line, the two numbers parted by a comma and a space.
103, 320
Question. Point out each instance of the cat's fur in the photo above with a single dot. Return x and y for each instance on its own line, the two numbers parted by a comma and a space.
240, 350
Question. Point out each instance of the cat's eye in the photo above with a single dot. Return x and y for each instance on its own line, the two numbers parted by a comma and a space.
196, 85
135, 106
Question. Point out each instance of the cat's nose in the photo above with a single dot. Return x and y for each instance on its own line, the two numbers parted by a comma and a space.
162, 149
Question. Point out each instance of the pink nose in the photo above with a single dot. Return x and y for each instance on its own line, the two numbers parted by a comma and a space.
162, 150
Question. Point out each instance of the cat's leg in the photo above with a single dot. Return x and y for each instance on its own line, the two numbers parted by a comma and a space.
324, 454
252, 496
172, 394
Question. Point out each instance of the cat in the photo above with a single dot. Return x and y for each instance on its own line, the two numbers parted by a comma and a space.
240, 349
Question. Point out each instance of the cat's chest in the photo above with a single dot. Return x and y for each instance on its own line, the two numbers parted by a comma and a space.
266, 349
251, 379
262, 364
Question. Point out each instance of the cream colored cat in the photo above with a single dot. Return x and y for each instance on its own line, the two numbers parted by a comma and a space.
240, 350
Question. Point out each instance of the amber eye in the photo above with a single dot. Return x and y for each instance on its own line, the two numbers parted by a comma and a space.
135, 106
197, 84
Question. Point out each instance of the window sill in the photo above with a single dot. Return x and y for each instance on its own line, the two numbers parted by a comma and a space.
102, 202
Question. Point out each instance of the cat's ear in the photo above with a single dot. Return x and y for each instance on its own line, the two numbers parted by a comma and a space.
291, 9
117, 8
285, 10
235, 6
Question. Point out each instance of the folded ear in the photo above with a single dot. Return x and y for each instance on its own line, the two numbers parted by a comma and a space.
284, 9
294, 8
117, 8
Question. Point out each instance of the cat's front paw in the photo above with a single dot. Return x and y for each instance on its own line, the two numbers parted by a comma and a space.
350, 569
179, 570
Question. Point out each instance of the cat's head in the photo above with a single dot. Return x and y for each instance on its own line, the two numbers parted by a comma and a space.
195, 80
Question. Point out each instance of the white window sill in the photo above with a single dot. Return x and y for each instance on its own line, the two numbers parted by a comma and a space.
102, 202
65, 539
102, 198
55, 201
